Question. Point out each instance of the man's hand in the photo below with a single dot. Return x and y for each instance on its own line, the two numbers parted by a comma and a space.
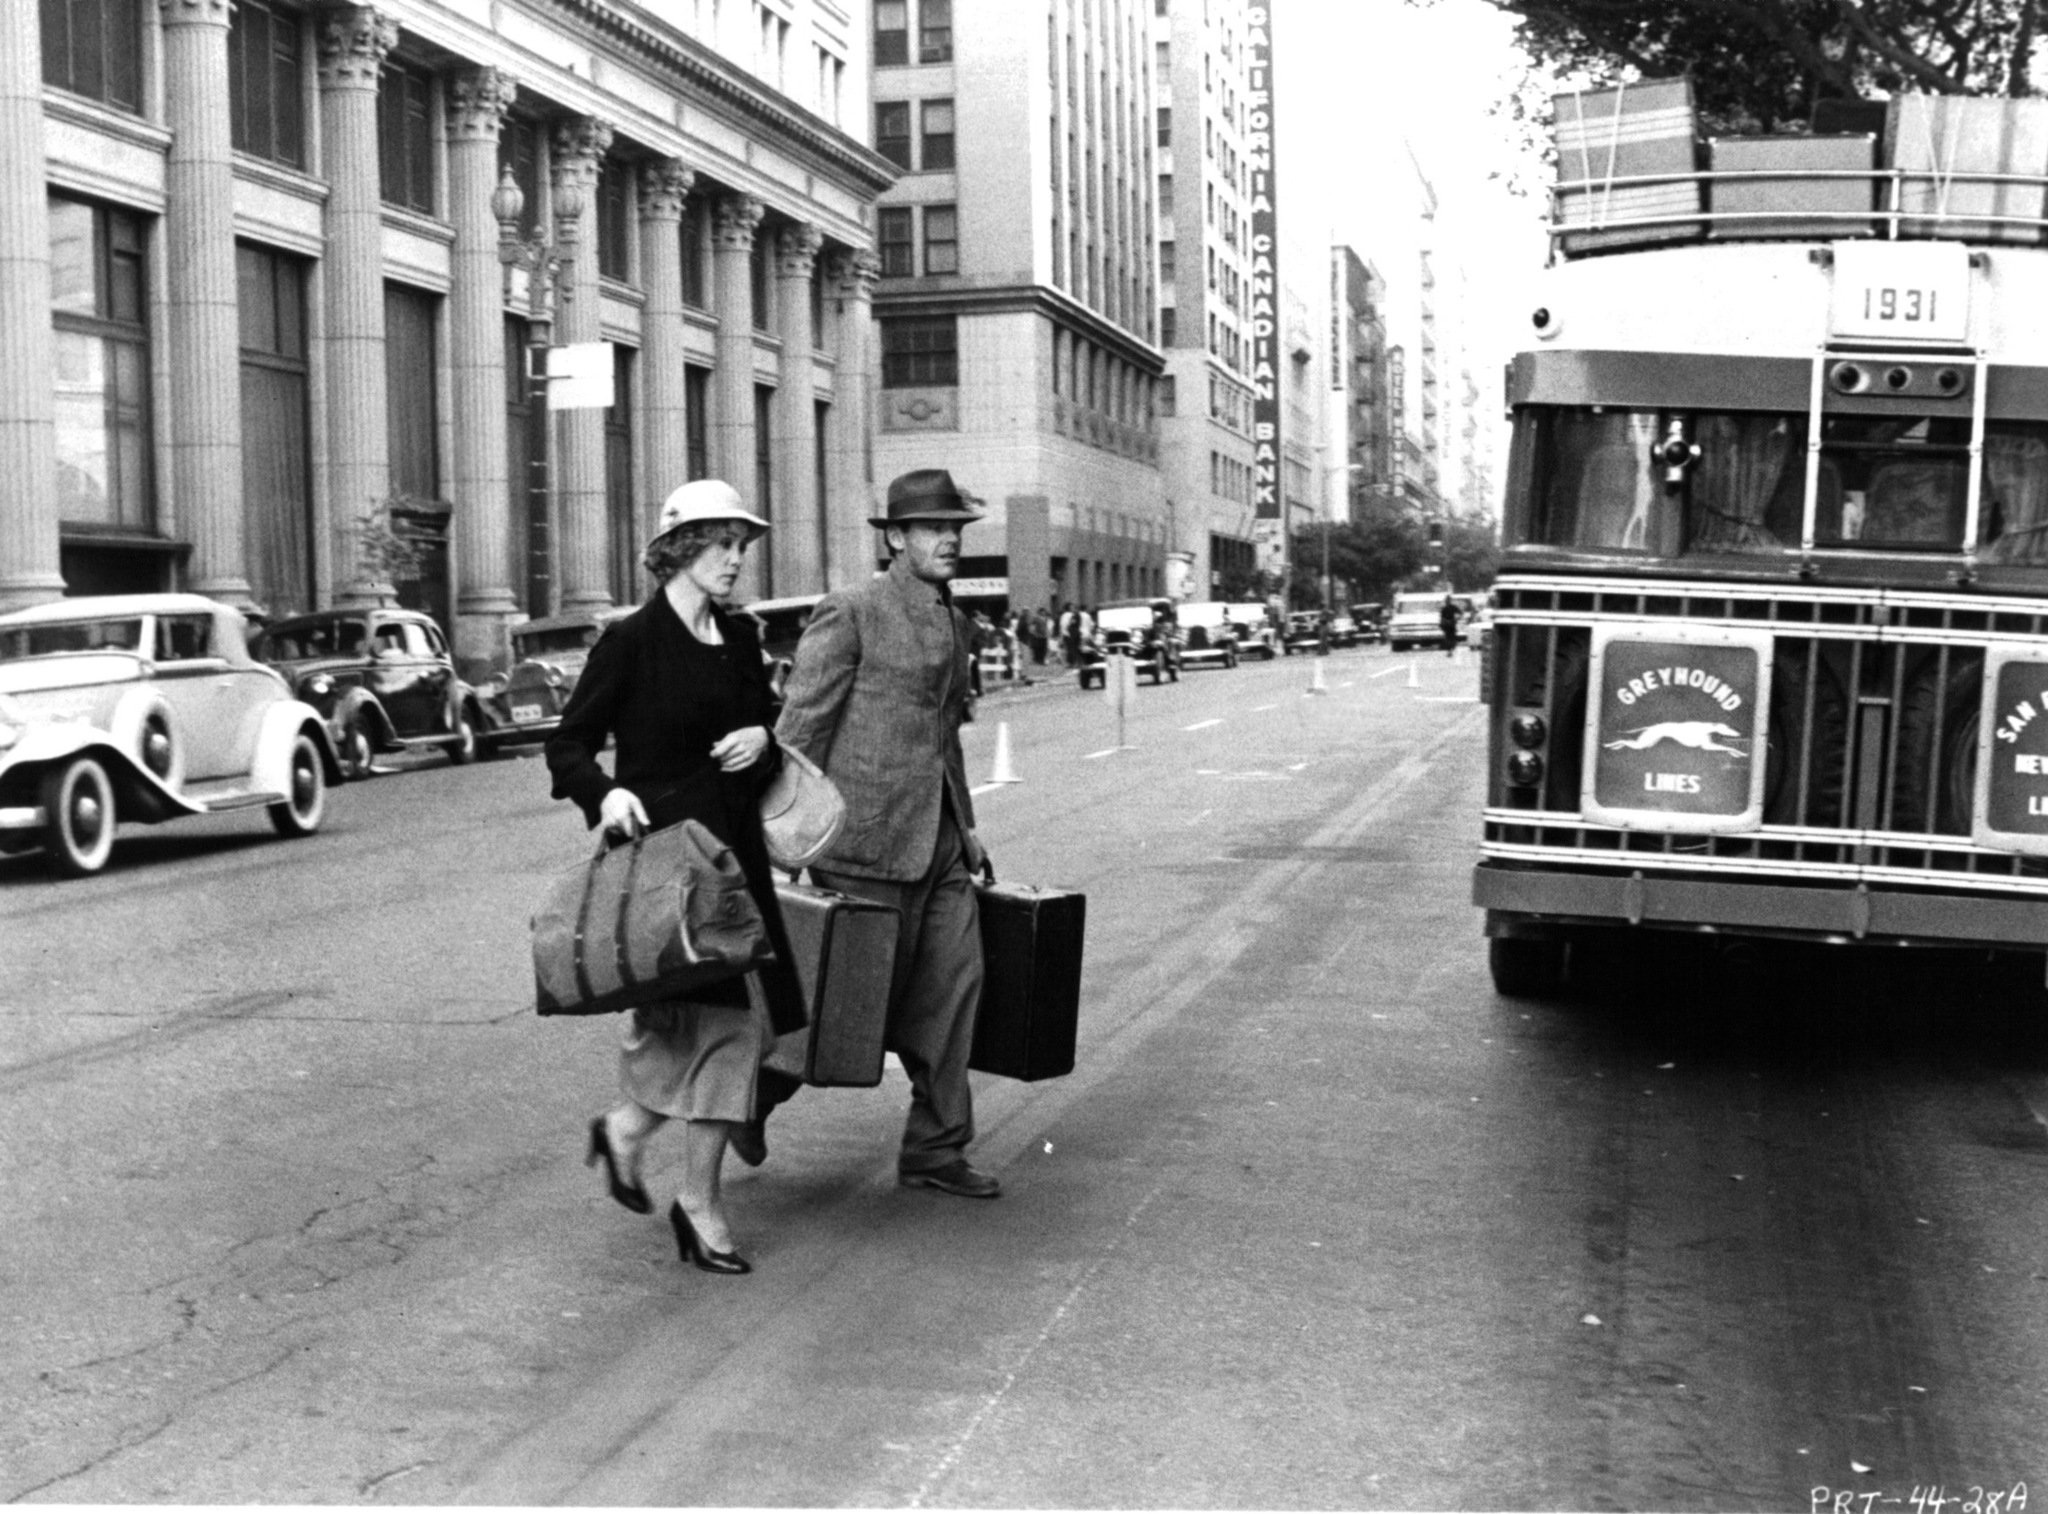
976, 856
741, 749
622, 812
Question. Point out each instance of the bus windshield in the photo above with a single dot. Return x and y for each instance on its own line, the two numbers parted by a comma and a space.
1592, 477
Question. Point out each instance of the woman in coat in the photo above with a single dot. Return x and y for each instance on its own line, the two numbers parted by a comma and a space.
681, 685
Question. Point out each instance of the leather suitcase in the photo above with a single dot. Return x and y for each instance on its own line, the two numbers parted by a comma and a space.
845, 950
1031, 988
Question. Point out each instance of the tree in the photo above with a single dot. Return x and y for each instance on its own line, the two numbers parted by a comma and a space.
1470, 554
1368, 554
1761, 65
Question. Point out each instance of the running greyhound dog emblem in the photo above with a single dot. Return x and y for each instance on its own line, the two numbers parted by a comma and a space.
1698, 734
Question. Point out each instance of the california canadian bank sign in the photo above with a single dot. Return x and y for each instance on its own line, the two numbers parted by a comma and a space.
1265, 283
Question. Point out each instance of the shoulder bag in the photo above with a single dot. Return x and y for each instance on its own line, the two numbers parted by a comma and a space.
801, 812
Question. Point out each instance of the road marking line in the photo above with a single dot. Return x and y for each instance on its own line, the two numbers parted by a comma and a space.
984, 789
1447, 699
1346, 683
1261, 709
1202, 725
1108, 751
1383, 672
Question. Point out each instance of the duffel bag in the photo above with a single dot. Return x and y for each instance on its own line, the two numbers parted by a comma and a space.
652, 918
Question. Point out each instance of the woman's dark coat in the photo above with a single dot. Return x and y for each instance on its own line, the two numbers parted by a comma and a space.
667, 699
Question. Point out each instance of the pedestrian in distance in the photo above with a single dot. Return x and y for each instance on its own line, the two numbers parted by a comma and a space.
876, 697
1040, 636
681, 686
1447, 621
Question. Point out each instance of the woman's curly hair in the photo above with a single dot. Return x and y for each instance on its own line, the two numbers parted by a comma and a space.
666, 556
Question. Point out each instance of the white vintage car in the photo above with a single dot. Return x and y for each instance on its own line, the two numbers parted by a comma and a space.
145, 707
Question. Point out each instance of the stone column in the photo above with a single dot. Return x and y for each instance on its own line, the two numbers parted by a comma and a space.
664, 404
354, 42
28, 428
201, 319
798, 537
484, 601
849, 445
732, 386
585, 581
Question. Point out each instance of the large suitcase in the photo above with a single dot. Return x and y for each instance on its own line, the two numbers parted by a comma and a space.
845, 951
1629, 132
1030, 1010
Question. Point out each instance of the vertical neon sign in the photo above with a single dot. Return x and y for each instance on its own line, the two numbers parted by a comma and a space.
1267, 494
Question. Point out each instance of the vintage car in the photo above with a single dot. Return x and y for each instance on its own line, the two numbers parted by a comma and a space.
1307, 631
1256, 636
1416, 621
1143, 630
145, 707
382, 677
1371, 620
1344, 631
524, 704
1207, 638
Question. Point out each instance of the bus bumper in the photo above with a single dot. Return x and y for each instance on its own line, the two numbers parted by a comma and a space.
1526, 901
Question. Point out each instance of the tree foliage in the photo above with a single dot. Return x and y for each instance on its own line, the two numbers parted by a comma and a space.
1762, 65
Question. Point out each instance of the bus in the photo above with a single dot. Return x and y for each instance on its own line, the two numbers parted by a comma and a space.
1769, 655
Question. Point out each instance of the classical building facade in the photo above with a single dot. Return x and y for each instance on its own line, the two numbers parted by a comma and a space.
1017, 308
278, 282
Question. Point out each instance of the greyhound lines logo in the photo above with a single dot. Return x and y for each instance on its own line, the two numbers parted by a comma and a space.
1675, 743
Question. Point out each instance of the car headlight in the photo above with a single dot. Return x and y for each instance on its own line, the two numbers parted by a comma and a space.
320, 684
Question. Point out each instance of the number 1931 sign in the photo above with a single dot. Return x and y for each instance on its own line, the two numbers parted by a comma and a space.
1901, 292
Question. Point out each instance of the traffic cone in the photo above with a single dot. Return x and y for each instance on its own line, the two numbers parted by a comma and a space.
1413, 681
1005, 769
1315, 683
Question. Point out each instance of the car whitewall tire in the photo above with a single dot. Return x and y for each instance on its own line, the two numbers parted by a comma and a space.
78, 817
305, 801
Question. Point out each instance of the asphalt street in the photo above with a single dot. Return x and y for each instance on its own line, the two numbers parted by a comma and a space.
296, 1211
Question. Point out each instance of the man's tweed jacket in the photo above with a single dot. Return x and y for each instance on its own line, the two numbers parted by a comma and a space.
876, 698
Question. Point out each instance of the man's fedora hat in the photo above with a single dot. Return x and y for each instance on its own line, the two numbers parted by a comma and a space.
703, 501
927, 494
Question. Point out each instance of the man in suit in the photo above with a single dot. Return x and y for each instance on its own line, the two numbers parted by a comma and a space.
876, 696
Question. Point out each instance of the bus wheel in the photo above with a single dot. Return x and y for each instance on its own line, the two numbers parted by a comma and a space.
1526, 968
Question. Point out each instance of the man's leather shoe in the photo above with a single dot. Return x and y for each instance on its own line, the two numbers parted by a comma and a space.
957, 1178
749, 1142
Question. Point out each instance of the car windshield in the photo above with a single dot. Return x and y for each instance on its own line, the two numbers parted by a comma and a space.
70, 636
1418, 604
540, 643
1204, 615
325, 638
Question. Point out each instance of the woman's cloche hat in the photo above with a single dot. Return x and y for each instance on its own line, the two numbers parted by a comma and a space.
701, 501
927, 494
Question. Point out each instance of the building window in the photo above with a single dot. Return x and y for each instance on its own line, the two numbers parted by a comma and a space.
1166, 326
757, 280
892, 131
892, 32
697, 421
1168, 395
276, 436
614, 219
97, 290
626, 530
94, 48
896, 242
266, 108
764, 453
1165, 126
405, 138
941, 239
519, 150
1166, 259
919, 352
696, 280
937, 150
410, 417
935, 31
1165, 195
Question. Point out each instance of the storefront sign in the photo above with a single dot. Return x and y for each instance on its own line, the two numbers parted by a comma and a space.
1265, 280
2012, 752
981, 588
1675, 725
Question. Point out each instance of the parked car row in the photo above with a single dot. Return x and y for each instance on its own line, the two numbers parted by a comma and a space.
1165, 636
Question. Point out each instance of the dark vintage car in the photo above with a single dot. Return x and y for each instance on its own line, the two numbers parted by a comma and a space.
524, 704
382, 678
782, 623
1371, 620
1144, 630
1307, 631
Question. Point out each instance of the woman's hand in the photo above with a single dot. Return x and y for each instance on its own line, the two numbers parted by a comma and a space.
622, 811
742, 748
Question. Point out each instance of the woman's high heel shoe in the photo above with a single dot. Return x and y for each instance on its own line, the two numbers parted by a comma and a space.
696, 1252
632, 1195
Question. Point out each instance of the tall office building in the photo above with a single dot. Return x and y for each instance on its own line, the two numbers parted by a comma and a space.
1017, 307
251, 293
1361, 423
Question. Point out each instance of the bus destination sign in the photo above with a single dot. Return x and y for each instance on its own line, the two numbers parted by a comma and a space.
1901, 292
2012, 752
1673, 729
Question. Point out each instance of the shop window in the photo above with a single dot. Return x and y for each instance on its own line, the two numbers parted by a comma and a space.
266, 103
405, 137
409, 391
920, 352
936, 151
276, 432
97, 285
94, 48
941, 239
895, 241
892, 131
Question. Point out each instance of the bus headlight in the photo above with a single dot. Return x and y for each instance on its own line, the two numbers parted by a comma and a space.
1525, 769
1528, 731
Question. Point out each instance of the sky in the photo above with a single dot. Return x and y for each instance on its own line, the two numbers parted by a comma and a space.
1355, 80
